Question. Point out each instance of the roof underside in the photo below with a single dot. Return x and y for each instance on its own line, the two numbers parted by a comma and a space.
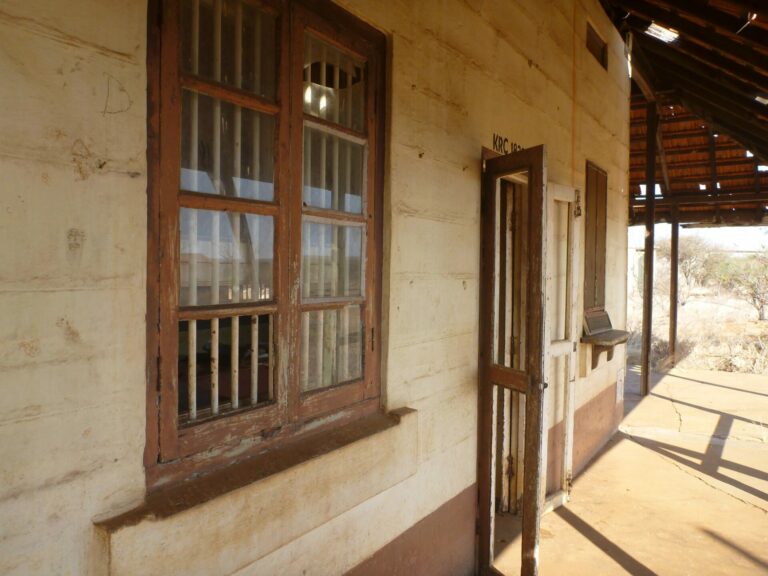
710, 90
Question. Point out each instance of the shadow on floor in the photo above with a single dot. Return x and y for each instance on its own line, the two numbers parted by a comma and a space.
710, 463
617, 553
719, 385
736, 548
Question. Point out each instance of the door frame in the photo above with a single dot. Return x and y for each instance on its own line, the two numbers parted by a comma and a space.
567, 346
531, 380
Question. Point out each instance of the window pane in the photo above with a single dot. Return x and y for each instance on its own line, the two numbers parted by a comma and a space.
332, 347
334, 85
333, 172
230, 42
331, 260
225, 257
225, 149
230, 367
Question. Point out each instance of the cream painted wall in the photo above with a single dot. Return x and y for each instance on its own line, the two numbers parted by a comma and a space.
72, 275
72, 278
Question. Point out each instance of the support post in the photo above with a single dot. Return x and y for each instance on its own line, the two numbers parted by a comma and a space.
713, 171
650, 215
673, 285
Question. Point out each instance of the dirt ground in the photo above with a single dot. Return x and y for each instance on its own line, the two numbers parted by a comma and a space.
715, 331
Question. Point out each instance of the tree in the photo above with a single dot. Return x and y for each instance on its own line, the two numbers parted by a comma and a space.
693, 255
748, 278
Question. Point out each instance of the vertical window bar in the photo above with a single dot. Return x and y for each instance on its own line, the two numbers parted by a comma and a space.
215, 229
337, 334
344, 375
306, 242
305, 350
254, 360
235, 361
256, 159
215, 366
256, 133
271, 358
192, 324
257, 53
322, 365
192, 368
319, 246
337, 87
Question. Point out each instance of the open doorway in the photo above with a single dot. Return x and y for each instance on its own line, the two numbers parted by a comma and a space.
511, 349
512, 353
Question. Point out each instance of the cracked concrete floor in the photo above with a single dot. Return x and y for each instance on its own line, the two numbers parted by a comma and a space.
682, 489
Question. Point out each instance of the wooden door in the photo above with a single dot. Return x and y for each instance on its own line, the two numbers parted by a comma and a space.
511, 353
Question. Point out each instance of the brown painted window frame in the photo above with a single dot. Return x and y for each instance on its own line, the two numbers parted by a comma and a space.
595, 236
173, 453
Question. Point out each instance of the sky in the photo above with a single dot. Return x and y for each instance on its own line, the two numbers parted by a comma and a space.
746, 238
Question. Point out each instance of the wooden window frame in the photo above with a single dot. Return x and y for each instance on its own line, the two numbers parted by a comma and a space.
595, 236
173, 453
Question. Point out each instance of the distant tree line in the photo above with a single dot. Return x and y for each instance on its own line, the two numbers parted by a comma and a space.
702, 264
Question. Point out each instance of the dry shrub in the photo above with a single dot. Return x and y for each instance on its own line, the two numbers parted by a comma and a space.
745, 353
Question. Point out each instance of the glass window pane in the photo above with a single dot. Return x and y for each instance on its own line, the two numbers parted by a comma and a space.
230, 42
331, 260
230, 366
225, 149
332, 347
334, 85
225, 257
333, 172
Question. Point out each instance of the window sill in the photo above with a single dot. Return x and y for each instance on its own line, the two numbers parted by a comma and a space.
257, 506
170, 500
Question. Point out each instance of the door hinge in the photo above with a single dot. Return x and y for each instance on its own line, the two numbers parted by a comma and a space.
373, 339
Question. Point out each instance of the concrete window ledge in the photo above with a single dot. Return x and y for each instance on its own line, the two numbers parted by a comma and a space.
222, 521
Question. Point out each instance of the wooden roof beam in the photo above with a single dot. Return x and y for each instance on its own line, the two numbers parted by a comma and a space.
732, 77
707, 217
684, 51
690, 149
682, 164
642, 74
675, 135
749, 5
704, 179
722, 22
698, 200
731, 49
747, 133
725, 90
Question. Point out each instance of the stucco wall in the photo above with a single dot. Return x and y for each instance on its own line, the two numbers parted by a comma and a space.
72, 272
72, 275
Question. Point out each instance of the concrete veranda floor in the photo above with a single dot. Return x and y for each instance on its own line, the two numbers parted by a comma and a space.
682, 488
